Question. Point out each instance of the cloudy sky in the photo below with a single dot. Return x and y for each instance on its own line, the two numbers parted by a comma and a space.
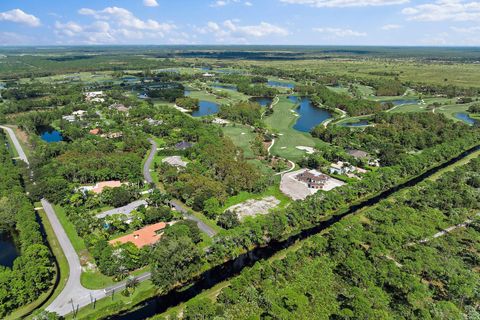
313, 22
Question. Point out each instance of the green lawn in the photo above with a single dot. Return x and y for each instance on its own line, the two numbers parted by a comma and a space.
242, 136
77, 242
111, 305
97, 280
281, 121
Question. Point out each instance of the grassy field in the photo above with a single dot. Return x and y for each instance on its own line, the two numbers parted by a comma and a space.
281, 121
111, 305
242, 136
77, 241
458, 74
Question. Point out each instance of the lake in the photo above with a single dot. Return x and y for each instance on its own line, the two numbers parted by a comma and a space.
466, 118
49, 134
205, 108
262, 101
8, 250
310, 116
280, 84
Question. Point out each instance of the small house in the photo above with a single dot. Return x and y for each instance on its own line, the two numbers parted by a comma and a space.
183, 145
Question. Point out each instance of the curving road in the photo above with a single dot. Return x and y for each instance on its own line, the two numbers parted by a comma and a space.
73, 295
147, 165
174, 203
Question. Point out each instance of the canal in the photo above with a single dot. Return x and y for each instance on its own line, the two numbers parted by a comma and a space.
231, 268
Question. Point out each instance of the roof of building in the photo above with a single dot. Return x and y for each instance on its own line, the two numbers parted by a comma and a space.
98, 188
175, 161
358, 153
95, 131
183, 145
143, 237
314, 175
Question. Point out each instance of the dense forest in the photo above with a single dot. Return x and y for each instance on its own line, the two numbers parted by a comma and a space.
394, 135
383, 263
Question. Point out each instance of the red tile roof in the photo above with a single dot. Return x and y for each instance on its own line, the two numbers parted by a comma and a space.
143, 237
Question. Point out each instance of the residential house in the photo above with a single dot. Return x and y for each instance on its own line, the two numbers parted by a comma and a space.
100, 186
119, 107
183, 145
94, 96
175, 161
146, 236
95, 131
313, 178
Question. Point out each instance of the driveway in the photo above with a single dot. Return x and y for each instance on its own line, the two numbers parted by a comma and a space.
177, 205
126, 210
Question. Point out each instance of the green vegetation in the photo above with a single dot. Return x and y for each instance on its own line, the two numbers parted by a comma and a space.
32, 272
209, 167
281, 122
372, 265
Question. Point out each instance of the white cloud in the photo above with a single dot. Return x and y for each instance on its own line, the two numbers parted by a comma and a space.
18, 16
345, 3
388, 27
223, 3
150, 3
443, 10
473, 30
219, 3
231, 31
113, 25
127, 19
339, 33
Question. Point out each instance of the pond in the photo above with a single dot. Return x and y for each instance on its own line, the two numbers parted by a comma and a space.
8, 250
205, 108
310, 116
280, 84
360, 123
224, 86
466, 118
262, 101
49, 134
400, 102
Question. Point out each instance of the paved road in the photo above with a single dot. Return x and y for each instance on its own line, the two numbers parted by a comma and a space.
16, 144
201, 225
126, 210
73, 291
175, 204
73, 295
146, 167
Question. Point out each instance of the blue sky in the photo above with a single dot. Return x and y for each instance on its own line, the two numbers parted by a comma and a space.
312, 22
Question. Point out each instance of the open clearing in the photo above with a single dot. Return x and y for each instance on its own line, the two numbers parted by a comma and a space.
252, 207
298, 190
